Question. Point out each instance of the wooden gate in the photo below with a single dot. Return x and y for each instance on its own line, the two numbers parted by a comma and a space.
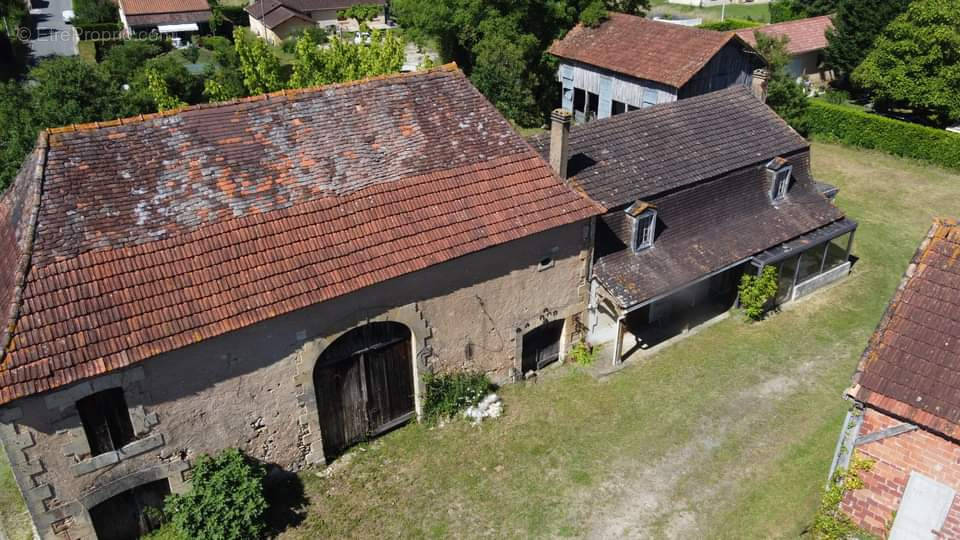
541, 346
364, 383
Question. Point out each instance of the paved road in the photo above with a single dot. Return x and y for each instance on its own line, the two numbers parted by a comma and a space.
50, 35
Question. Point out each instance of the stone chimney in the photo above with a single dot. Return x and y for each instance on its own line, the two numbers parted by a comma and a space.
560, 141
758, 85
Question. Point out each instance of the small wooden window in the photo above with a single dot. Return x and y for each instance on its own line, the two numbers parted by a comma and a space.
781, 183
646, 228
106, 421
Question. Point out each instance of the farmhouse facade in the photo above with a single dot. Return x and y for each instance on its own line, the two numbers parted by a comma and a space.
907, 396
630, 62
273, 274
697, 193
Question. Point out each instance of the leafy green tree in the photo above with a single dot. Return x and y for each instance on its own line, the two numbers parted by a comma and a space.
95, 11
856, 25
469, 31
756, 292
225, 501
916, 62
124, 60
170, 75
784, 95
259, 66
19, 130
343, 61
788, 10
361, 12
68, 90
157, 87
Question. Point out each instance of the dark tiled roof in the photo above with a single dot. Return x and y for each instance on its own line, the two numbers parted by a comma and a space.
709, 226
275, 12
169, 18
656, 51
805, 35
155, 233
639, 154
911, 368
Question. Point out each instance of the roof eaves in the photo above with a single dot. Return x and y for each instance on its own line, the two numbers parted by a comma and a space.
23, 265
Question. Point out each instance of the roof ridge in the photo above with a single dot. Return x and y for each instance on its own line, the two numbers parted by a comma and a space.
285, 93
23, 266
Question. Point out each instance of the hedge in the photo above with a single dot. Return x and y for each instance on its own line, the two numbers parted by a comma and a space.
98, 31
729, 24
859, 128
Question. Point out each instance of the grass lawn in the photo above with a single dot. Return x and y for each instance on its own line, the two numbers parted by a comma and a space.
14, 520
755, 12
727, 434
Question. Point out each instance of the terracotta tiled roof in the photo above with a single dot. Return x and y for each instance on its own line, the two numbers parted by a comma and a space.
156, 233
656, 51
639, 154
911, 368
805, 34
145, 7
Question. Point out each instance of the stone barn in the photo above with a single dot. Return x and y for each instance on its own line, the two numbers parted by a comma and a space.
274, 274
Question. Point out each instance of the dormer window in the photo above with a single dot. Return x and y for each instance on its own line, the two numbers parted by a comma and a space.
780, 173
644, 216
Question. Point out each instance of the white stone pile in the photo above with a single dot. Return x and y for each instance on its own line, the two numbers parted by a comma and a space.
489, 407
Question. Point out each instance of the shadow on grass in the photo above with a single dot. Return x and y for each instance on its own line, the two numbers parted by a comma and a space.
287, 499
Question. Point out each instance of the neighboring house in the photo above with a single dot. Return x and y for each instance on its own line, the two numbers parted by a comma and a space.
629, 62
907, 388
807, 40
274, 274
697, 193
177, 19
276, 20
711, 3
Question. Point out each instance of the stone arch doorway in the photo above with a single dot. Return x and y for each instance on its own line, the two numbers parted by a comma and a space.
364, 383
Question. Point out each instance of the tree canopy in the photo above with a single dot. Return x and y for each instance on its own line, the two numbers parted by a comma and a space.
915, 62
856, 25
784, 95
501, 44
788, 10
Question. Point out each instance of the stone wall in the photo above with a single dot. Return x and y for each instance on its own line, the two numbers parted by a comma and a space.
253, 389
895, 458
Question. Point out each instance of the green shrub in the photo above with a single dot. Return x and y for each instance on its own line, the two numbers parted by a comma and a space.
757, 291
361, 12
837, 97
448, 394
727, 25
583, 354
99, 31
95, 11
225, 501
866, 130
830, 523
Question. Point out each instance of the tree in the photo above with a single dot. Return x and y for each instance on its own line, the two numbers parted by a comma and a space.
69, 90
856, 25
756, 292
125, 59
784, 95
259, 66
916, 62
160, 92
788, 10
361, 12
19, 131
171, 84
95, 11
343, 61
225, 501
469, 32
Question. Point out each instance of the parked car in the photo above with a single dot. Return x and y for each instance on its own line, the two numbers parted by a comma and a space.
68, 16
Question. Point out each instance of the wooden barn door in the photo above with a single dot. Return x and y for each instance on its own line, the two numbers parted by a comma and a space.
364, 384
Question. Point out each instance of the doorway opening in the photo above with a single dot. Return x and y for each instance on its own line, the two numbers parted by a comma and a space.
127, 515
541, 346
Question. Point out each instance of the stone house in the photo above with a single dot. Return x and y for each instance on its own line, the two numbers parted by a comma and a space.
629, 62
274, 274
906, 392
807, 38
698, 192
276, 20
178, 19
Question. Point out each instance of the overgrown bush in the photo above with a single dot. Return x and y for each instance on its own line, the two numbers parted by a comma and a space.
830, 523
866, 130
728, 24
756, 292
837, 97
448, 394
361, 12
95, 11
583, 354
225, 501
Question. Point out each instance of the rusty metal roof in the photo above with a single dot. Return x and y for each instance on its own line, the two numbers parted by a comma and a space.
656, 51
911, 367
153, 233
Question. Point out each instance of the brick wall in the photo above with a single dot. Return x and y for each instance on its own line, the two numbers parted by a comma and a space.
895, 458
